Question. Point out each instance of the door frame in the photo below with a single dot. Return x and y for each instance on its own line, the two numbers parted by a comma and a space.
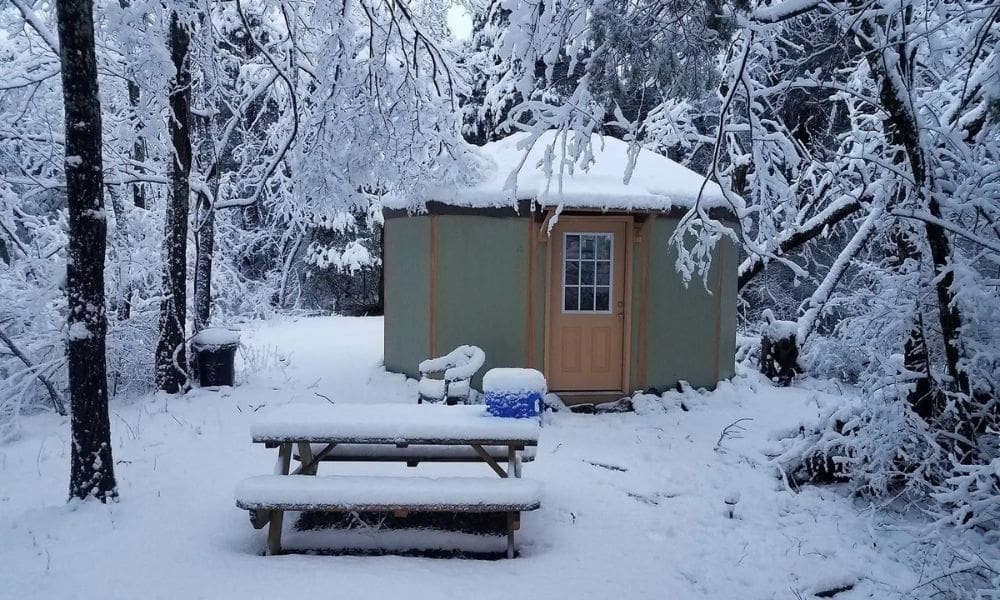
584, 217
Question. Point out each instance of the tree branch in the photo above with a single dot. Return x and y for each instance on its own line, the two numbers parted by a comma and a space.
57, 400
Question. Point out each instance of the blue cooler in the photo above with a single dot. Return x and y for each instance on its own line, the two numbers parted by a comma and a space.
514, 393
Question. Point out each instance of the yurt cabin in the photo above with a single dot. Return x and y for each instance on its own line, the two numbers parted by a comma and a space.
573, 274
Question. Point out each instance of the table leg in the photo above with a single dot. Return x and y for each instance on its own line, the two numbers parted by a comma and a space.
308, 464
485, 456
510, 535
274, 532
284, 459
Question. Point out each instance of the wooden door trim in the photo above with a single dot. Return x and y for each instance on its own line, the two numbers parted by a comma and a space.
627, 306
644, 252
545, 235
628, 251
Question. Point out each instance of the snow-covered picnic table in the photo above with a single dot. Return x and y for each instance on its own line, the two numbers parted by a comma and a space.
388, 432
391, 424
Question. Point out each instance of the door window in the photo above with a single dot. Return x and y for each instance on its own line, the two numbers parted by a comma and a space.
587, 268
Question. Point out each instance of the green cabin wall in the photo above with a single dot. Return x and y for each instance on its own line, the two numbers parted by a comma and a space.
485, 305
690, 330
689, 333
406, 276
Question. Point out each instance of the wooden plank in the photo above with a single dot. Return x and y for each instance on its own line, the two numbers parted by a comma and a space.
392, 441
489, 460
284, 459
274, 532
307, 464
427, 453
488, 507
510, 535
310, 465
259, 518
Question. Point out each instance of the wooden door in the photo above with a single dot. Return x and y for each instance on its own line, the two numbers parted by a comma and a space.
587, 304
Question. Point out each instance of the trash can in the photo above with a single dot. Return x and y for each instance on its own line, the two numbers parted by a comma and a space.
514, 393
214, 351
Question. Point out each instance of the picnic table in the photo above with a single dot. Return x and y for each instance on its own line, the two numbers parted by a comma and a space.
315, 433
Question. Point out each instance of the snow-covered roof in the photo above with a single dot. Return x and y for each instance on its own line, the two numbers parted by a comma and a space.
552, 178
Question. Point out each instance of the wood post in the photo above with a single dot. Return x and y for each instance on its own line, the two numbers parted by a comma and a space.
308, 465
510, 534
274, 532
284, 459
483, 454
259, 518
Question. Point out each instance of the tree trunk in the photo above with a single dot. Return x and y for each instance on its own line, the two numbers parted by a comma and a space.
139, 145
91, 464
903, 129
204, 247
171, 364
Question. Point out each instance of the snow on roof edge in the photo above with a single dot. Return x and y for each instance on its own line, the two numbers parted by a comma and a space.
550, 177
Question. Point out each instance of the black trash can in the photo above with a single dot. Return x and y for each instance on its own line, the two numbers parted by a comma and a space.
214, 352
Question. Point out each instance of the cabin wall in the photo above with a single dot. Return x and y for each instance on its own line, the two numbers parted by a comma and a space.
464, 279
461, 279
482, 293
689, 331
728, 260
407, 263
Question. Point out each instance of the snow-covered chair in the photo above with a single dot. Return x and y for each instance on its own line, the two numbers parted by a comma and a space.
458, 368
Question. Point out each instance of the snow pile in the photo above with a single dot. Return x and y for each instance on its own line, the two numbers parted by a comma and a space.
371, 422
461, 363
353, 492
607, 178
506, 379
215, 337
514, 393
638, 490
776, 329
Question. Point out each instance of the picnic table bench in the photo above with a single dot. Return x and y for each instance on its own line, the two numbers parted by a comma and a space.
314, 433
412, 455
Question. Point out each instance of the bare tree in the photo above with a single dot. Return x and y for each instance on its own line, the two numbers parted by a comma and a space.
92, 468
171, 369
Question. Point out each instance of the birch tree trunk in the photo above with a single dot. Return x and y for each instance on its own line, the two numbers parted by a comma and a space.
91, 464
171, 362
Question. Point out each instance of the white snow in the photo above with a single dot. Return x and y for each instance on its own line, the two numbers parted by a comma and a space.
507, 379
461, 363
215, 336
348, 492
354, 422
431, 388
651, 528
655, 182
78, 331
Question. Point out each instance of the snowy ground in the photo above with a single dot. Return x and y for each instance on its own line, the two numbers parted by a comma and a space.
633, 504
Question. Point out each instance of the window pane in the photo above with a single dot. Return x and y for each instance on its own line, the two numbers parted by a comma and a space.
572, 246
570, 303
587, 246
603, 273
604, 247
587, 273
572, 273
586, 298
603, 299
